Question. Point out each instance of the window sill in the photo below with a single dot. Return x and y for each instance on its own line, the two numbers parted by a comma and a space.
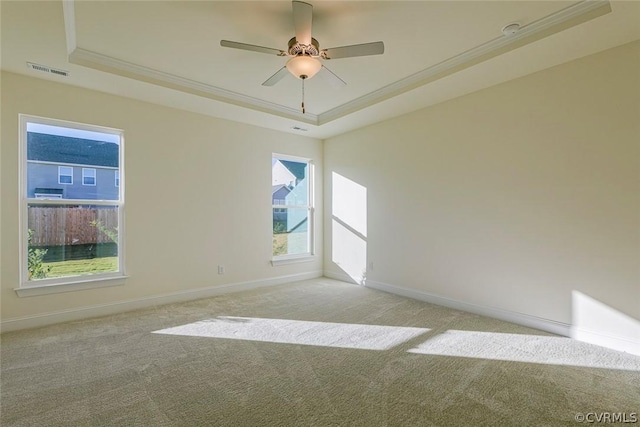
54, 288
292, 260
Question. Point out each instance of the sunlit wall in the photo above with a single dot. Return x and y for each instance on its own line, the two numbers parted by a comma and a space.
511, 198
349, 227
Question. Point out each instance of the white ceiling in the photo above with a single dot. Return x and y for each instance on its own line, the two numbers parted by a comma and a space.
169, 52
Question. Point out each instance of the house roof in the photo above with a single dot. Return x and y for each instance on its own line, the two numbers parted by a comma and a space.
275, 188
296, 168
64, 149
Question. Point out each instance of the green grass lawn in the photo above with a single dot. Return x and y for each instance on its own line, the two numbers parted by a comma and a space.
82, 266
280, 244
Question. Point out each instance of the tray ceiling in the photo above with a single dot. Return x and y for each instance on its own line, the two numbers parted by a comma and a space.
170, 53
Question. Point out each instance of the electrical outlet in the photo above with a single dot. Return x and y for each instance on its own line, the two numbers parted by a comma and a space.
370, 265
221, 269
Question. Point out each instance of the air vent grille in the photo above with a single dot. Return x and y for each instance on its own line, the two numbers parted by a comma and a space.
45, 69
299, 128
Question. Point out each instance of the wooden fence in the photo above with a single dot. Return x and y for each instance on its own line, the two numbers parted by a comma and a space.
62, 225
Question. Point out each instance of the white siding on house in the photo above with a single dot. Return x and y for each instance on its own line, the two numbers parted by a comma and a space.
281, 175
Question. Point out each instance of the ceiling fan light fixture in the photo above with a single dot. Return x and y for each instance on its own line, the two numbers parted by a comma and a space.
303, 66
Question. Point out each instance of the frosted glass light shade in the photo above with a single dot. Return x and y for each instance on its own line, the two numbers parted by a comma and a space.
303, 65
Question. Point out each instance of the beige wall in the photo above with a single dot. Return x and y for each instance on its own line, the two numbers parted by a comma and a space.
517, 197
523, 197
197, 195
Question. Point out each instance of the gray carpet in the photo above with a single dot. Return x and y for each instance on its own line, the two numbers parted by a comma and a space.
313, 353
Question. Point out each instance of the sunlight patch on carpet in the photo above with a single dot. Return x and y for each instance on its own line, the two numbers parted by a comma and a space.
325, 334
542, 349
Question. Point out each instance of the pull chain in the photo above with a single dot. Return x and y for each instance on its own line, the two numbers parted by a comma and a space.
303, 111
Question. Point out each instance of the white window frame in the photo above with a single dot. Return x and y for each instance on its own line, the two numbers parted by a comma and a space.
72, 283
307, 256
60, 174
85, 174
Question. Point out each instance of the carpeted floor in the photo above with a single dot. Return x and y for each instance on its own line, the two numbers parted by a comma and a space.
313, 353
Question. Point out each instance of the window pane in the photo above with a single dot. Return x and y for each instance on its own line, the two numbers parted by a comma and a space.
290, 231
64, 179
71, 240
88, 176
55, 153
289, 182
65, 176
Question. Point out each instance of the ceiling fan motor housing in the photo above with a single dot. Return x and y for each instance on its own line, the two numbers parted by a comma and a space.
296, 48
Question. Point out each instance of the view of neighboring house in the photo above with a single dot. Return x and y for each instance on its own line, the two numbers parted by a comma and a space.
64, 167
279, 194
289, 187
287, 174
280, 174
279, 197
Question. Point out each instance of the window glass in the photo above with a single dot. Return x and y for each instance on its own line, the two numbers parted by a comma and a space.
65, 149
88, 176
72, 229
65, 175
291, 206
71, 240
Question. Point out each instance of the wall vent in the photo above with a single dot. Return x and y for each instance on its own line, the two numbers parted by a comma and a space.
299, 128
45, 69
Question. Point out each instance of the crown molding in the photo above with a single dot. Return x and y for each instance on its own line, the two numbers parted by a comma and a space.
98, 61
119, 67
566, 18
69, 14
550, 24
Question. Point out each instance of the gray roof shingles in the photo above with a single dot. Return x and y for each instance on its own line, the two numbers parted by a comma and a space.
64, 149
298, 169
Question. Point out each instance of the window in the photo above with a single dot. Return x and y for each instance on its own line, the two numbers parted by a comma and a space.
88, 176
292, 206
117, 175
71, 235
65, 175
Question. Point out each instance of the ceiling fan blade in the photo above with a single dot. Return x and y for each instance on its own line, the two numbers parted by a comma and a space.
252, 47
276, 77
332, 78
365, 49
302, 17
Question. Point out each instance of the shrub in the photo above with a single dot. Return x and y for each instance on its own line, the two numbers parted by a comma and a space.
110, 233
35, 266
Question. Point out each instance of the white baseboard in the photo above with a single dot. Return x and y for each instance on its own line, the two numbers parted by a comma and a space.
628, 345
26, 322
547, 325
625, 344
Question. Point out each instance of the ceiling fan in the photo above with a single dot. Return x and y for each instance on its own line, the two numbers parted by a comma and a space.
305, 51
